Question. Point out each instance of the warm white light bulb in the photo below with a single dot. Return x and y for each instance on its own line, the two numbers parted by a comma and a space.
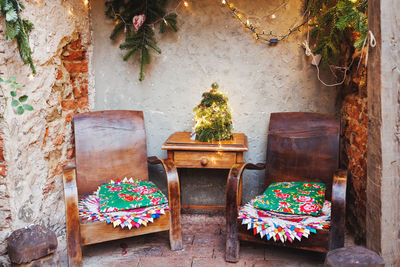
273, 16
223, 2
247, 22
185, 3
85, 2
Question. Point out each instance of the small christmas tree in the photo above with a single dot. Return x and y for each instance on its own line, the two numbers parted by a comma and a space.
213, 118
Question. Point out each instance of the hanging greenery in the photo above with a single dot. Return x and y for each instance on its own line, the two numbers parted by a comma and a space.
213, 118
17, 29
136, 19
337, 22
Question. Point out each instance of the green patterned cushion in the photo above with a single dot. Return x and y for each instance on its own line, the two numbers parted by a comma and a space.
293, 197
129, 195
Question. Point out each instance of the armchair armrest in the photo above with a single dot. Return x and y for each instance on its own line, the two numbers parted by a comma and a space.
338, 212
233, 201
72, 216
174, 200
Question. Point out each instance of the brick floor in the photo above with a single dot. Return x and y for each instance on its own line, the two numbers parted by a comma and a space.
204, 246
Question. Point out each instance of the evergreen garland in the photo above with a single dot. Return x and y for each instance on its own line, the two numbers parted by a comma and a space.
213, 118
336, 22
139, 37
17, 29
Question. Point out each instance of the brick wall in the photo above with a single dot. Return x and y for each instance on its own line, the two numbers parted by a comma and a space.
69, 96
354, 150
5, 213
2, 163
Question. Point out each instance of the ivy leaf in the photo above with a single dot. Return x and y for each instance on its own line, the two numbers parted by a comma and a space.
8, 6
20, 110
27, 107
14, 103
11, 15
13, 93
23, 98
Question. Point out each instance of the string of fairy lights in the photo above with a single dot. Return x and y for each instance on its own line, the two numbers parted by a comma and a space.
261, 34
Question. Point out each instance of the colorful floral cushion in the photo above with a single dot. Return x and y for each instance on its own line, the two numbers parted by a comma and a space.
125, 196
293, 197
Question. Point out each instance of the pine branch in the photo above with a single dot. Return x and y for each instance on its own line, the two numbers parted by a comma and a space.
336, 21
142, 41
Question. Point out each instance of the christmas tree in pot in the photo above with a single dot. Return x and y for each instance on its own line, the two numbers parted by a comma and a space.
213, 118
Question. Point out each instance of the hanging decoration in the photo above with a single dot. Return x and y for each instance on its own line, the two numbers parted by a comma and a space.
265, 35
136, 19
213, 118
18, 29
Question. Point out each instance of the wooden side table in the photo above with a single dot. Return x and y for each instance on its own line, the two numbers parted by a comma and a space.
188, 153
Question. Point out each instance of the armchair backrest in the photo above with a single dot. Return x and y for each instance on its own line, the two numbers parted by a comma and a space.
302, 147
109, 145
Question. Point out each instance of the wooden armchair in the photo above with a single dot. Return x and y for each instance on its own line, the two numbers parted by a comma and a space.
301, 147
112, 144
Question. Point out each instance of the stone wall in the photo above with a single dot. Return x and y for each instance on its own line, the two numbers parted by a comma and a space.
354, 112
37, 144
5, 211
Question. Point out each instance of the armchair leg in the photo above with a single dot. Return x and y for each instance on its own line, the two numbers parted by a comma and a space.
232, 243
174, 197
175, 233
74, 254
72, 218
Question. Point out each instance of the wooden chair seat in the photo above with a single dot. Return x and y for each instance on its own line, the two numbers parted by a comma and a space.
301, 147
315, 242
88, 227
112, 144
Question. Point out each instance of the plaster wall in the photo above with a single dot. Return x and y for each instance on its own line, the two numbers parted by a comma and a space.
211, 46
36, 143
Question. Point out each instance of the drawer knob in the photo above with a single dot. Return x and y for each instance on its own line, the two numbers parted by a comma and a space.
203, 161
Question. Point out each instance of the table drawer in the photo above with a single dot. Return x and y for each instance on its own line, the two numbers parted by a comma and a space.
201, 159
